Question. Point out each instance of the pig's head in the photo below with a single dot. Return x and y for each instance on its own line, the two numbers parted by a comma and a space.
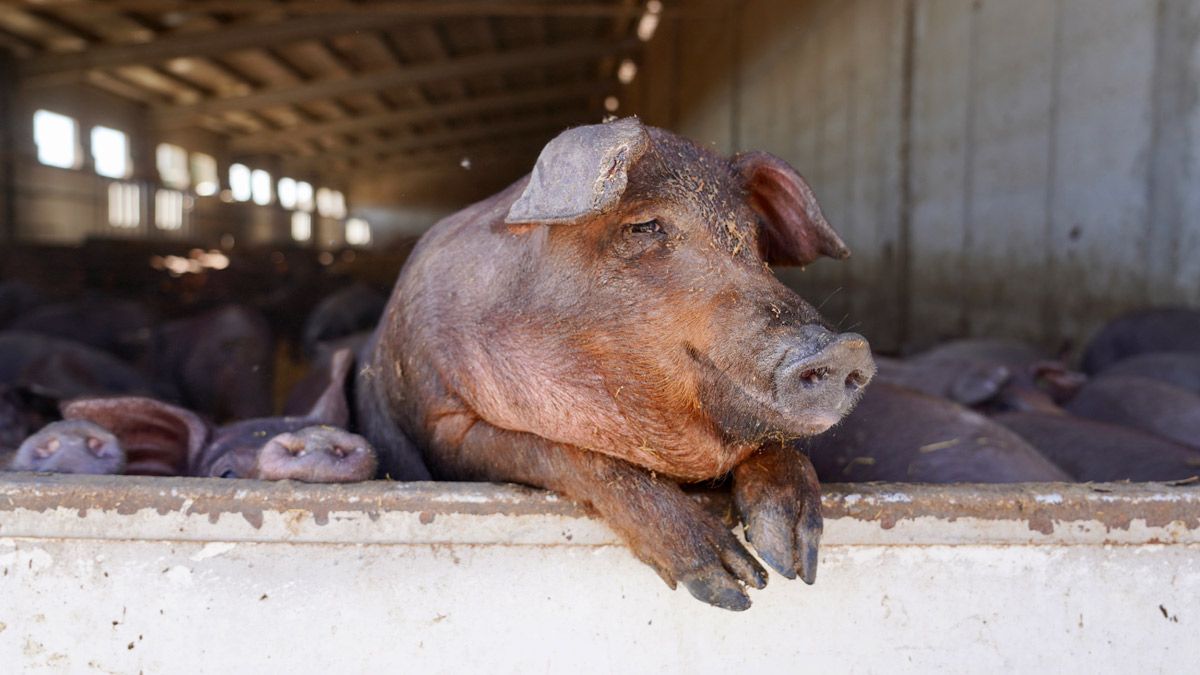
71, 446
654, 256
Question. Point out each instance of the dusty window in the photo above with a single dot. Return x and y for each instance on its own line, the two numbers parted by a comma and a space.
57, 139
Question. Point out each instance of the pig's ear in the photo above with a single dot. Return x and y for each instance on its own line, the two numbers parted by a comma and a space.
159, 439
794, 229
581, 173
332, 408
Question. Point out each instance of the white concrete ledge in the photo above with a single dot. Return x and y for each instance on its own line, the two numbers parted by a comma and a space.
193, 509
193, 575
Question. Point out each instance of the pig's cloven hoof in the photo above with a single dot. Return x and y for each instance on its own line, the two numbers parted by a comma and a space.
714, 566
781, 512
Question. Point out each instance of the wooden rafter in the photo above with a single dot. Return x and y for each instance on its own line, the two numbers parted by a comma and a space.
454, 109
453, 68
399, 8
51, 68
547, 124
521, 147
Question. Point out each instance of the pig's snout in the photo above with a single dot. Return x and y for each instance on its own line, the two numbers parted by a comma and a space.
821, 379
317, 455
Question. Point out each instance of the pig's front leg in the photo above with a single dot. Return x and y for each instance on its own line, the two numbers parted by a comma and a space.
778, 498
663, 526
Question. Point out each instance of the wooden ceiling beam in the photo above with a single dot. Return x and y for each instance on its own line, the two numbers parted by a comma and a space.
399, 77
395, 8
262, 142
548, 125
467, 157
57, 68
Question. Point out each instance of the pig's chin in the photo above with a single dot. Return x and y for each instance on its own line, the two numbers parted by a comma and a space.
810, 423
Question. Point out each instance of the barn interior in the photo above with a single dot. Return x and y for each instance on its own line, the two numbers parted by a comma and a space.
204, 201
998, 169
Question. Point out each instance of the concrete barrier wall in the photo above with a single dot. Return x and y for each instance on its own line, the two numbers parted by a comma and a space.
189, 575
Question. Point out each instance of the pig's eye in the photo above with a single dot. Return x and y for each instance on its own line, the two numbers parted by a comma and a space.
648, 227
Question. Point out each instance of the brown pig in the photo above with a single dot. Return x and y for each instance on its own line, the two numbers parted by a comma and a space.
163, 439
608, 327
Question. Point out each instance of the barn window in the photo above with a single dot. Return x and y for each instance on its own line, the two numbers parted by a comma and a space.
649, 21
204, 174
627, 71
168, 209
358, 232
172, 163
331, 203
239, 182
301, 226
124, 205
287, 193
304, 196
110, 152
260, 187
57, 139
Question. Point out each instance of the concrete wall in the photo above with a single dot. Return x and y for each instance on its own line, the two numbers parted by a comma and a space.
1021, 167
125, 574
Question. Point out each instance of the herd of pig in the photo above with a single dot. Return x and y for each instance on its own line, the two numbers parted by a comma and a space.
997, 411
98, 386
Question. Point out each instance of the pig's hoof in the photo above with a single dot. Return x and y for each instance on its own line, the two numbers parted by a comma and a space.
719, 591
783, 523
713, 566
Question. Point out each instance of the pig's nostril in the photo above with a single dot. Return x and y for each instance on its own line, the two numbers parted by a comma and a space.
855, 380
340, 451
813, 375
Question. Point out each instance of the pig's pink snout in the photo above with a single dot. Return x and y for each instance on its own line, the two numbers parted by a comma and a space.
824, 385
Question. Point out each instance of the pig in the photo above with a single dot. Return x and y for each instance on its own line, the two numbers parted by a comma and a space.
63, 369
965, 382
162, 439
1141, 403
221, 362
608, 327
1181, 369
1171, 329
351, 310
1092, 450
903, 435
990, 374
119, 327
1006, 351
74, 446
